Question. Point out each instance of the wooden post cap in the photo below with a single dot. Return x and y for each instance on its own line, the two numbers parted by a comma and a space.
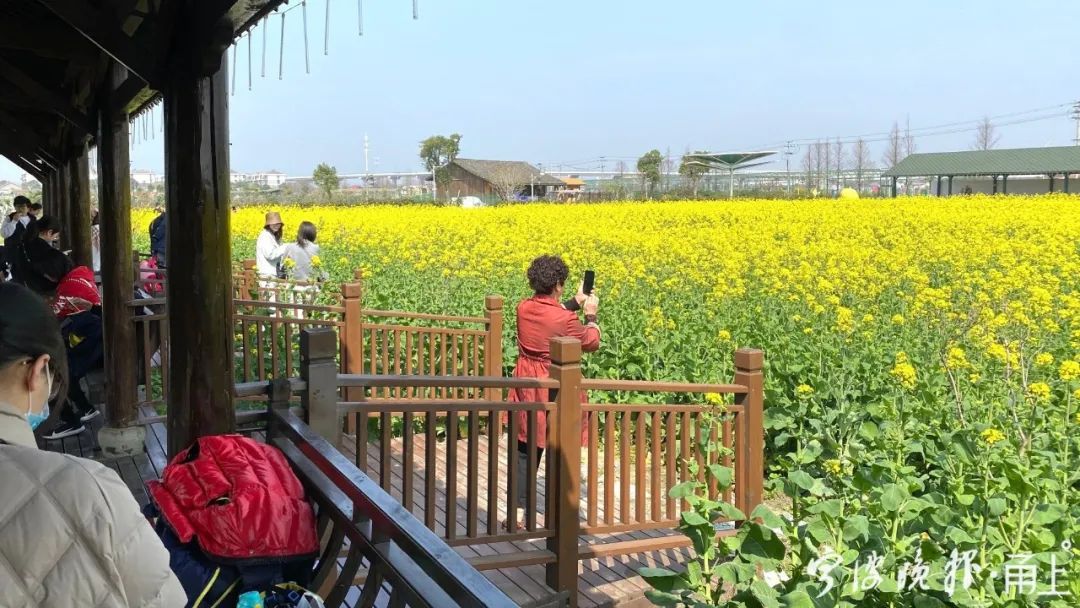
749, 359
493, 302
249, 264
565, 350
358, 274
352, 290
318, 343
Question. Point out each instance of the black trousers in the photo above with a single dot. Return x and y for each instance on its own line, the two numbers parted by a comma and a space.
523, 473
76, 404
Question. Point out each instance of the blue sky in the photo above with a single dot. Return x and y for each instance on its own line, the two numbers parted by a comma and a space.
567, 82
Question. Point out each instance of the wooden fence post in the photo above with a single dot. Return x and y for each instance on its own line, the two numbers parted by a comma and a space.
352, 339
318, 368
564, 478
249, 285
493, 347
750, 440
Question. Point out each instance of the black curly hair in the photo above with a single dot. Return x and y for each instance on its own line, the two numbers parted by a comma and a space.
546, 272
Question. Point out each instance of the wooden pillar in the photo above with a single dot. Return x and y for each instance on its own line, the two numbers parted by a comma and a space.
894, 180
199, 292
352, 339
1066, 185
995, 179
493, 347
61, 209
1051, 182
564, 468
939, 185
950, 185
121, 434
750, 459
1004, 184
78, 225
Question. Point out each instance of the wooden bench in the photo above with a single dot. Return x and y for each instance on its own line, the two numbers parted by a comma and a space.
389, 556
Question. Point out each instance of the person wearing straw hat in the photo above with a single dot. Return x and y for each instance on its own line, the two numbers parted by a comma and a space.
268, 248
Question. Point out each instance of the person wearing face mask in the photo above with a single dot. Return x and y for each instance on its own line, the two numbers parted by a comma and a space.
72, 533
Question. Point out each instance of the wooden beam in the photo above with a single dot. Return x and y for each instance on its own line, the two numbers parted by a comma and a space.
28, 137
13, 146
45, 96
198, 254
46, 40
24, 165
105, 33
117, 275
127, 93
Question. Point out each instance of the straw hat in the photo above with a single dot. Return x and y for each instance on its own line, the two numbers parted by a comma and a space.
273, 218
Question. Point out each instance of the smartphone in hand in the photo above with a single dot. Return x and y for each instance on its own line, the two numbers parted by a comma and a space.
590, 279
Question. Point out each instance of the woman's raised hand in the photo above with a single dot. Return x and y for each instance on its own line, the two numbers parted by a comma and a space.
592, 303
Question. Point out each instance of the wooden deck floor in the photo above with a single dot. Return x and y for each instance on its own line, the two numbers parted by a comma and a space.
609, 581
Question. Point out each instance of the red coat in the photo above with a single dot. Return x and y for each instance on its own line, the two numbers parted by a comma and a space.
238, 498
539, 319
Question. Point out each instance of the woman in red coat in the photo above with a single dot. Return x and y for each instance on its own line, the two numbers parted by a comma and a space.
539, 319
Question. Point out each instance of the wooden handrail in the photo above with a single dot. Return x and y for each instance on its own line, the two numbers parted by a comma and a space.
648, 386
431, 570
380, 381
292, 305
427, 316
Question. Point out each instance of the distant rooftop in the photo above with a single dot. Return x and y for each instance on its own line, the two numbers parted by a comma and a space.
1015, 161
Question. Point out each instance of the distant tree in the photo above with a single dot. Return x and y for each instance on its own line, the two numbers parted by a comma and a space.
649, 168
894, 152
860, 162
692, 170
508, 179
326, 179
909, 139
986, 136
620, 167
438, 151
840, 162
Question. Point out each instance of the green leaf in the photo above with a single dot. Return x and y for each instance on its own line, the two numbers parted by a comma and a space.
893, 497
722, 474
1047, 514
683, 490
801, 479
855, 527
868, 430
663, 598
796, 599
997, 506
760, 544
690, 518
965, 500
831, 508
765, 516
810, 452
732, 512
764, 594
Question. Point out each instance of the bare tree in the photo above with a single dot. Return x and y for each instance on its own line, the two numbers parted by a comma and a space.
821, 165
860, 162
827, 164
840, 162
986, 136
508, 179
808, 167
909, 139
894, 152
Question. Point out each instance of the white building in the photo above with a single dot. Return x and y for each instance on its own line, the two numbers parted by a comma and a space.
147, 177
265, 179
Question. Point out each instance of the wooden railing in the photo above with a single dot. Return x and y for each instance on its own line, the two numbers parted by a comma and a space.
372, 551
453, 463
270, 314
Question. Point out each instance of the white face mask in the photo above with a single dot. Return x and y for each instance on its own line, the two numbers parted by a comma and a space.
35, 420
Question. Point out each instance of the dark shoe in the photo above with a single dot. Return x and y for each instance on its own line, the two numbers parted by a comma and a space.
65, 430
90, 414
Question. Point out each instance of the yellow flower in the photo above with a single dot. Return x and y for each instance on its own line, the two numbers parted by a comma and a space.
833, 466
898, 319
343, 261
1039, 391
808, 330
845, 319
1076, 418
992, 436
997, 351
714, 398
955, 359
1044, 359
289, 263
1076, 394
1069, 370
316, 261
723, 335
804, 390
974, 377
903, 371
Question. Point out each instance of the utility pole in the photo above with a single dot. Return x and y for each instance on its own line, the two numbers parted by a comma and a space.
366, 170
789, 149
1076, 117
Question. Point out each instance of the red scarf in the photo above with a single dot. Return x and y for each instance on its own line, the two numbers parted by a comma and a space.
76, 293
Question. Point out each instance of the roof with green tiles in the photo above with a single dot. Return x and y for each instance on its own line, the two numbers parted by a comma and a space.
1016, 161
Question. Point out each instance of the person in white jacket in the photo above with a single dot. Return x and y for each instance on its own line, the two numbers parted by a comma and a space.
19, 216
268, 247
71, 533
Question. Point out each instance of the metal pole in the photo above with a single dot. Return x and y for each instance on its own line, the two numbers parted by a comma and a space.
307, 63
731, 183
326, 33
360, 16
281, 50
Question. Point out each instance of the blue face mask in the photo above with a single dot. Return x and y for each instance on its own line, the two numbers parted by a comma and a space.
35, 420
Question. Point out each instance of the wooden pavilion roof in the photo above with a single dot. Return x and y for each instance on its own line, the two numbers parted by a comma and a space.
56, 54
